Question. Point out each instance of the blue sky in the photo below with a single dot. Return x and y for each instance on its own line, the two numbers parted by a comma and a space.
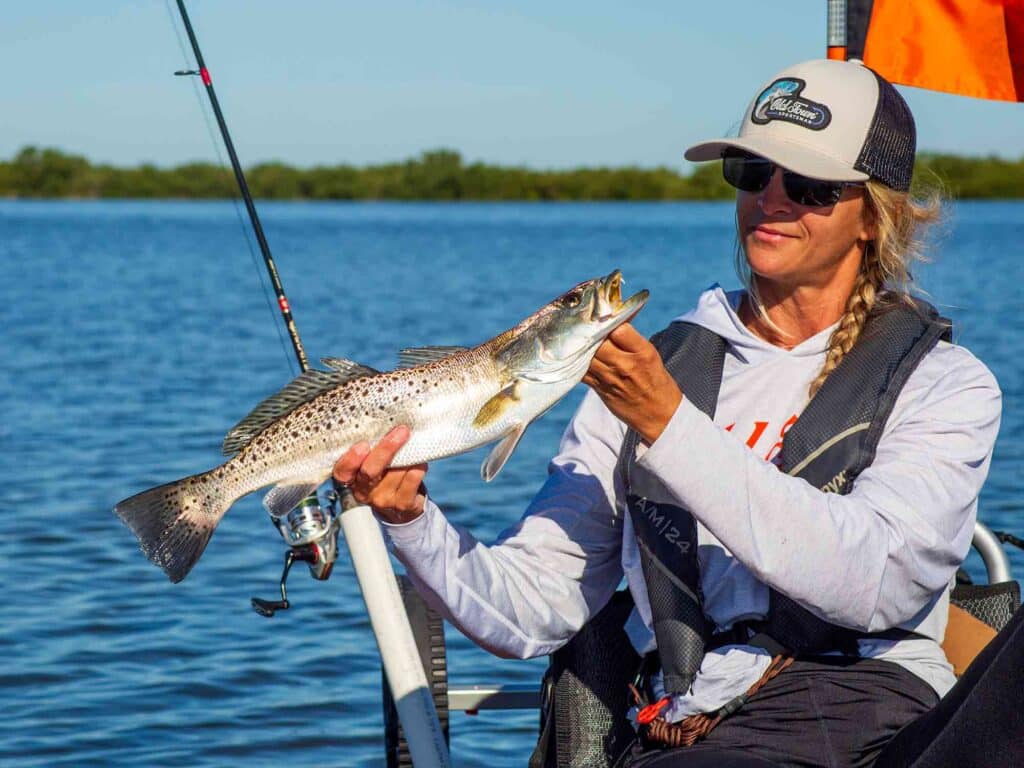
546, 84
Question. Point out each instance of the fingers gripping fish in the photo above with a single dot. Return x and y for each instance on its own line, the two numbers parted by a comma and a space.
453, 399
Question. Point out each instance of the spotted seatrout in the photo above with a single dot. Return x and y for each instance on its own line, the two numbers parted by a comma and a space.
453, 399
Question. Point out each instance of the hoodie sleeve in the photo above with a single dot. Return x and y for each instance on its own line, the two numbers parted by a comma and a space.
530, 591
871, 559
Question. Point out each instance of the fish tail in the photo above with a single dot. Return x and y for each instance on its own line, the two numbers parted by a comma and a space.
174, 522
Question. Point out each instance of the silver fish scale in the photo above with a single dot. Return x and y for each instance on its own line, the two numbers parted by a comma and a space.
438, 402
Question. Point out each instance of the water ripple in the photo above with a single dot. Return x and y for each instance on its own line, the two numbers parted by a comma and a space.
127, 373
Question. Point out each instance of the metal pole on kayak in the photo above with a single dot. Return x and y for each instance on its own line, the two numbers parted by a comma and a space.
836, 30
370, 559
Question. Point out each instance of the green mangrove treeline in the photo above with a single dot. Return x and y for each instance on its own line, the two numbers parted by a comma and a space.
438, 175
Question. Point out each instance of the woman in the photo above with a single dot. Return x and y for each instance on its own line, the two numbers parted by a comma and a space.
677, 451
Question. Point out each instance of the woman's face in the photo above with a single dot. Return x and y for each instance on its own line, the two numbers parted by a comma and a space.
790, 246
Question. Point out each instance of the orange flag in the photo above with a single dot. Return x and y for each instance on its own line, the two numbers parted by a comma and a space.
967, 47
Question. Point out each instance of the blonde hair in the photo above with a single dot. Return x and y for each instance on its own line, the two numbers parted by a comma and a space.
900, 219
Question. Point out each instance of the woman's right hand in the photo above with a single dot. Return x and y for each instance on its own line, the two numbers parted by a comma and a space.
397, 495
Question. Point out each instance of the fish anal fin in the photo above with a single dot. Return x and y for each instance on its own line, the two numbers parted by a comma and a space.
414, 356
286, 495
305, 387
494, 408
501, 452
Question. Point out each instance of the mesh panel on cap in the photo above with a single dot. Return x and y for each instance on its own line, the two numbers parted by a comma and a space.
888, 152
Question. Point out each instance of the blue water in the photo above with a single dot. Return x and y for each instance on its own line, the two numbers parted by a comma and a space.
136, 334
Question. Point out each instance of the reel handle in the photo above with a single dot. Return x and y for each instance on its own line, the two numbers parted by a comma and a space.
267, 608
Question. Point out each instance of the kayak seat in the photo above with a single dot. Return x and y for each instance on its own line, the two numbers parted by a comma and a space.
585, 694
976, 614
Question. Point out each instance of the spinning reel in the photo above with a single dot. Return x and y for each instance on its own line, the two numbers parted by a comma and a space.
311, 533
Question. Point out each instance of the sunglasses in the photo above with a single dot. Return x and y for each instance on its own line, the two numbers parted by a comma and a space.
752, 173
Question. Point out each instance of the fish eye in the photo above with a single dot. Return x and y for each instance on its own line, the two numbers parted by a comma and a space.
572, 300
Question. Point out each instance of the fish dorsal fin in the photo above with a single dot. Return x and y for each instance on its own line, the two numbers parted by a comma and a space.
351, 367
305, 387
410, 358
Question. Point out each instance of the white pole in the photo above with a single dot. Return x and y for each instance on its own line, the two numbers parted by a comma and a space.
395, 640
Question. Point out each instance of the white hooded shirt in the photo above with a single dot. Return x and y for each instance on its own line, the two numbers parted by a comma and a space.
880, 557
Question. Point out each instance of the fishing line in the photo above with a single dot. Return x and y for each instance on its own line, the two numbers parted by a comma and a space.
234, 198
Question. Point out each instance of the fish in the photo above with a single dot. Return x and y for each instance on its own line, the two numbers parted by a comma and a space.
453, 399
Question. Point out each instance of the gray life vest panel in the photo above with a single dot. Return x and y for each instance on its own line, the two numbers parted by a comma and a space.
831, 442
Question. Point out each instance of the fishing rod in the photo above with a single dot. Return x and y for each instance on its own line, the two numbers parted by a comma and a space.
311, 532
243, 186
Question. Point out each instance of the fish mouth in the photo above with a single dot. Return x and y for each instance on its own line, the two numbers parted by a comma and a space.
610, 305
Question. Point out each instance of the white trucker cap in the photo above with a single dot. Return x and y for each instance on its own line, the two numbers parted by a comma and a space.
835, 120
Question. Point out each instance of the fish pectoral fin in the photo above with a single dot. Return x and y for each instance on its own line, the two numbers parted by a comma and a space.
413, 356
286, 495
493, 409
500, 453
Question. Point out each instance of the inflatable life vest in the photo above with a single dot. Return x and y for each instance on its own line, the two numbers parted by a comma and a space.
831, 443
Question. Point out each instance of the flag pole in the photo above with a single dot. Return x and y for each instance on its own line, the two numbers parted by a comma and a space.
836, 30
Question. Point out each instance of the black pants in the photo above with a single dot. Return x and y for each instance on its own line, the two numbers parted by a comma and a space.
980, 722
828, 711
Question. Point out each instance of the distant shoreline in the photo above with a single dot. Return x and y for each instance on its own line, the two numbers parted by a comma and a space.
439, 175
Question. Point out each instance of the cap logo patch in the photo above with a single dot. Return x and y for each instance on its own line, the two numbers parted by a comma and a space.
781, 101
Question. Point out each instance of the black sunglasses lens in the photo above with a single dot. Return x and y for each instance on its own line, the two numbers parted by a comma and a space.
746, 172
751, 173
811, 192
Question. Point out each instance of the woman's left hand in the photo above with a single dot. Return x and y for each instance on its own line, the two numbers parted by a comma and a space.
628, 375
396, 494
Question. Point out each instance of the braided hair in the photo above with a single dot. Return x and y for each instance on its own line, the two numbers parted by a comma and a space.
900, 219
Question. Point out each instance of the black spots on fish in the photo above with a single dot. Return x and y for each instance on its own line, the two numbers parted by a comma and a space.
394, 399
